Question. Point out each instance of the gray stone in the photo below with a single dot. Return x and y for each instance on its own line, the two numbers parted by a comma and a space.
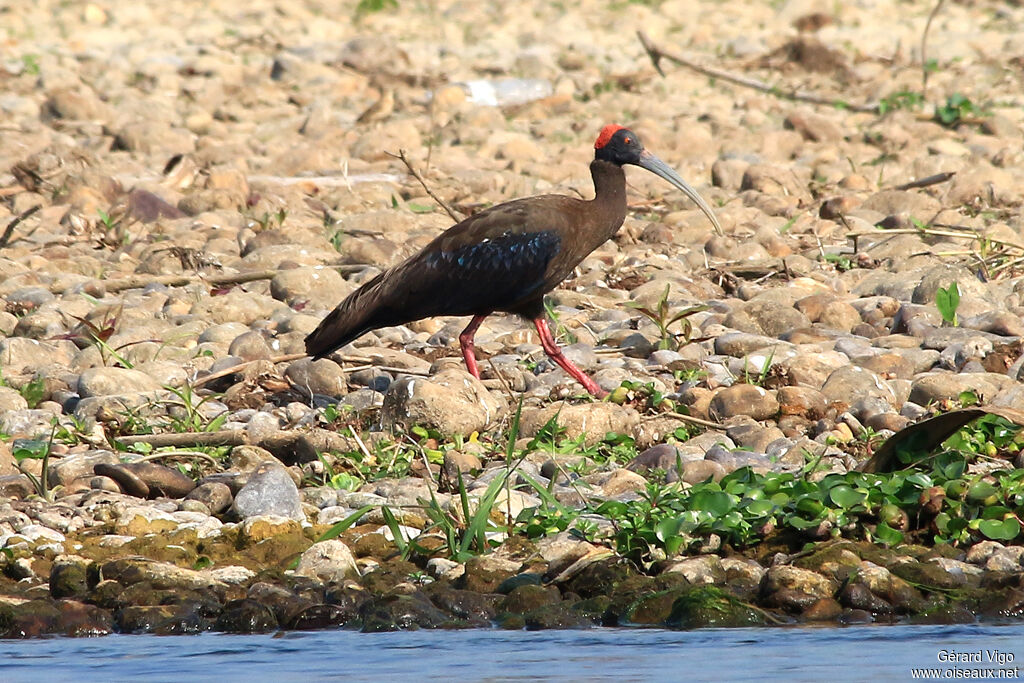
312, 377
329, 561
114, 382
452, 401
269, 491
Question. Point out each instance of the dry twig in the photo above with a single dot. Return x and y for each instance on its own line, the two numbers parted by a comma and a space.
416, 174
9, 230
224, 437
924, 48
657, 53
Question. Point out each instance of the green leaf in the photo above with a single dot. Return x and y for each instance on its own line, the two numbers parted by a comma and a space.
846, 497
947, 301
967, 398
715, 502
1000, 530
338, 528
668, 529
887, 535
396, 531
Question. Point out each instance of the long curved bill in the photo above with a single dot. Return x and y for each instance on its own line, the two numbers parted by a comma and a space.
659, 167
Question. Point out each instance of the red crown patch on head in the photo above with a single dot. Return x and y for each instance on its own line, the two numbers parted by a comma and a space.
606, 134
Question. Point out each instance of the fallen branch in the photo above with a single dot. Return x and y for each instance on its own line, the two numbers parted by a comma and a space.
924, 48
365, 363
657, 53
243, 365
9, 230
416, 174
140, 281
926, 182
685, 418
226, 437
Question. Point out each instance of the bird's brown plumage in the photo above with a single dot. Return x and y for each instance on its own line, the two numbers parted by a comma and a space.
511, 255
503, 259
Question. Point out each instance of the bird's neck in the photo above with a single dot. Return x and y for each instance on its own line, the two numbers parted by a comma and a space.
609, 194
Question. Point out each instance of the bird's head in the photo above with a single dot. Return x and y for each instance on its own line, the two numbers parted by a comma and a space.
620, 146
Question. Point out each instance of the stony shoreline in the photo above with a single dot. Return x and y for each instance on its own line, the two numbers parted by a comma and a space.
184, 195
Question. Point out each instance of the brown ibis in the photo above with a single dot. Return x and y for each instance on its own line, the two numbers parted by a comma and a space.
505, 258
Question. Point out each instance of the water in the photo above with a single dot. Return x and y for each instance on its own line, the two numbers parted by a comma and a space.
861, 653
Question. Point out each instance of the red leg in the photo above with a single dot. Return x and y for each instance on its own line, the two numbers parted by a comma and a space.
555, 353
466, 342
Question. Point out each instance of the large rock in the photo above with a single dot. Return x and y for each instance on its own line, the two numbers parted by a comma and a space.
269, 491
452, 402
329, 561
744, 399
593, 421
114, 381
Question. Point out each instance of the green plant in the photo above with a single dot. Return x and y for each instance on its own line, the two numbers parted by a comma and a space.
191, 417
31, 64
36, 449
662, 316
365, 7
562, 333
947, 301
33, 391
904, 99
956, 108
943, 503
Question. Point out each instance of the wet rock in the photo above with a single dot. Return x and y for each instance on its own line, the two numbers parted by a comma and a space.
485, 573
401, 612
80, 620
703, 570
452, 401
795, 589
246, 616
472, 608
69, 577
529, 597
269, 491
28, 619
709, 606
159, 575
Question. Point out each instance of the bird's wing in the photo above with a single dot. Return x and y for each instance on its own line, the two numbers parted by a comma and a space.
491, 260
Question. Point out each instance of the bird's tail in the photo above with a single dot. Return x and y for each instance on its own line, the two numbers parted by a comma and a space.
363, 310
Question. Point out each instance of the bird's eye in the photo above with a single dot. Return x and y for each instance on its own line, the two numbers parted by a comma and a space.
627, 140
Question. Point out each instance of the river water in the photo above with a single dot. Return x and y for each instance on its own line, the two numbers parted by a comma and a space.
859, 653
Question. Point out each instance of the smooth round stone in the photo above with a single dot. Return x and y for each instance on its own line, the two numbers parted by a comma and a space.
743, 399
213, 495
